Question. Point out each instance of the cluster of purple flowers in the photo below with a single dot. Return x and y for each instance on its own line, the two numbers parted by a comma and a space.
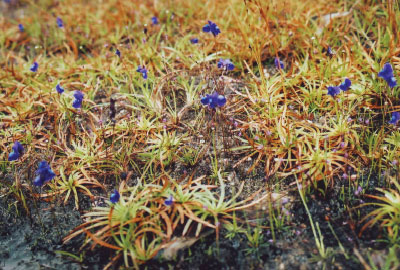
335, 90
386, 73
214, 100
43, 173
78, 96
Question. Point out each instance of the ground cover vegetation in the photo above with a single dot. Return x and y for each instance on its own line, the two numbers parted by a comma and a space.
238, 134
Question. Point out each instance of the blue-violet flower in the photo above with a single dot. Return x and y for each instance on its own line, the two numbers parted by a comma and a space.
387, 74
60, 22
279, 64
169, 201
214, 100
333, 90
211, 28
43, 174
154, 20
194, 40
21, 28
34, 67
17, 151
77, 103
395, 118
225, 64
345, 85
143, 70
59, 89
330, 52
114, 197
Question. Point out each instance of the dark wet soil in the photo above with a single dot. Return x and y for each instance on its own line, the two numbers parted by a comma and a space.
32, 241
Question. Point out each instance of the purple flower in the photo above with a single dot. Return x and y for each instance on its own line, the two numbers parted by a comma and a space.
387, 74
333, 90
169, 201
211, 28
285, 200
330, 52
114, 197
118, 53
143, 70
279, 64
194, 40
358, 191
34, 67
214, 100
154, 20
345, 85
21, 28
77, 103
225, 64
395, 118
59, 89
285, 211
43, 174
60, 22
17, 151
